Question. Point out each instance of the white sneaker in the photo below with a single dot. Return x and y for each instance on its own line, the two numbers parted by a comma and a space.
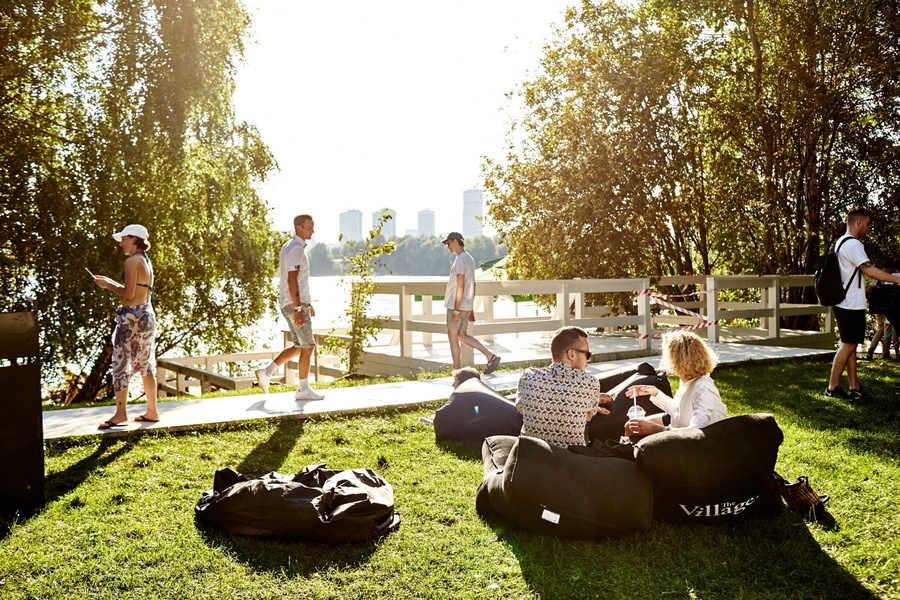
263, 379
308, 394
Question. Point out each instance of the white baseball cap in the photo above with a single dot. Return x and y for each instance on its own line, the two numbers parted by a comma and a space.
135, 230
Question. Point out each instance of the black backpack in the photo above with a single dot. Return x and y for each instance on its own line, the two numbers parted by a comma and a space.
829, 287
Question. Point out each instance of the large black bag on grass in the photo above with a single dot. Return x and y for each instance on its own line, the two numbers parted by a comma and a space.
546, 489
615, 383
722, 472
473, 412
316, 504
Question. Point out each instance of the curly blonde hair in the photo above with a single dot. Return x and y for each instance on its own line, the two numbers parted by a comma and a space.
686, 355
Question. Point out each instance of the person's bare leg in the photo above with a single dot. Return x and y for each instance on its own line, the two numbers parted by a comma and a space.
453, 335
469, 340
121, 409
150, 394
287, 354
851, 368
304, 362
841, 358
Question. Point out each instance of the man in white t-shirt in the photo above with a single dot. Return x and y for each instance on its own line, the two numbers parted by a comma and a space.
851, 312
297, 309
459, 300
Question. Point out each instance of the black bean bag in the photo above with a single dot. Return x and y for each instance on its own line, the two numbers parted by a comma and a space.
316, 504
546, 489
612, 426
722, 472
473, 412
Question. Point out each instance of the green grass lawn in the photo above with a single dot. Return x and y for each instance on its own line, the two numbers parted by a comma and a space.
119, 521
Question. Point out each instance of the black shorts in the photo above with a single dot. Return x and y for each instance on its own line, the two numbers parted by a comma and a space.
851, 324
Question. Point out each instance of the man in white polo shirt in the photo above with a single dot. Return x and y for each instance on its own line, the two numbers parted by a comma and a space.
296, 306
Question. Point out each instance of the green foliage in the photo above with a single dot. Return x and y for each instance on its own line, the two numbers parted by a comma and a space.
360, 276
124, 509
117, 113
664, 137
321, 263
421, 255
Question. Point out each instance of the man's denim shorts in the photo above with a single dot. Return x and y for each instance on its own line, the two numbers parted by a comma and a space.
301, 336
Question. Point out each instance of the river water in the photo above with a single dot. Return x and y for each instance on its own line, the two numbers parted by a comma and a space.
330, 298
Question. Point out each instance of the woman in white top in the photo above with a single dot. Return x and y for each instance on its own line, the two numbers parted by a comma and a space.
697, 402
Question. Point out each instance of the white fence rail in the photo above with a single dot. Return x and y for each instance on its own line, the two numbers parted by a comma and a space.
416, 321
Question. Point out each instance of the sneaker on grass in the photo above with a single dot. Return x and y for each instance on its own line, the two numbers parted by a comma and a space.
837, 392
858, 396
262, 378
308, 394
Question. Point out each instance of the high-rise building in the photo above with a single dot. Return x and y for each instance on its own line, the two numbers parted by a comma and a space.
426, 223
351, 225
472, 211
389, 229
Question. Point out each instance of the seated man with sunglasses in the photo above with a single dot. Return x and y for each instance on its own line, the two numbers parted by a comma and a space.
557, 401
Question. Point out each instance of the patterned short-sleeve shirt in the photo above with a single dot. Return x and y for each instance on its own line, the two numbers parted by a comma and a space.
556, 402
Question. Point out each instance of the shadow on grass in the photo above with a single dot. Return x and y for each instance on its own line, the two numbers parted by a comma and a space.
57, 485
461, 450
675, 561
271, 454
287, 557
798, 394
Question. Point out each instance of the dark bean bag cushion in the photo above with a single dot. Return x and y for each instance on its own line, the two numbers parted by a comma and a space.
316, 504
546, 489
722, 472
473, 412
612, 426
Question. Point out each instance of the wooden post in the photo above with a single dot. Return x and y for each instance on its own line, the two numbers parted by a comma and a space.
426, 313
646, 326
712, 310
774, 304
562, 304
406, 343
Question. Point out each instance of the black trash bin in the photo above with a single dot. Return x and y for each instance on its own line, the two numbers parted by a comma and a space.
21, 426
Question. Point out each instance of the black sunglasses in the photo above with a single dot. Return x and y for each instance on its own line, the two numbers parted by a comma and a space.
587, 353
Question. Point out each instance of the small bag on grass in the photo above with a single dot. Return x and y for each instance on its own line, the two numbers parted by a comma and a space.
800, 496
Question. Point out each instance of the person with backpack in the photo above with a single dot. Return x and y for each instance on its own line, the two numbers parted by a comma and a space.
850, 313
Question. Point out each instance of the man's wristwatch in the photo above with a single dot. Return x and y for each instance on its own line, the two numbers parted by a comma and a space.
298, 308
455, 312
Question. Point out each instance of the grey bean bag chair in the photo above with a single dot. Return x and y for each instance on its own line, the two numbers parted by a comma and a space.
612, 426
722, 472
473, 412
546, 489
316, 504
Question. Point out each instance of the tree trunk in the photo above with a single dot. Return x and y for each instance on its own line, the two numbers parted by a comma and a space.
97, 383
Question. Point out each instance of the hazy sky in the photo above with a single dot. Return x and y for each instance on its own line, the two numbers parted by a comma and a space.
373, 104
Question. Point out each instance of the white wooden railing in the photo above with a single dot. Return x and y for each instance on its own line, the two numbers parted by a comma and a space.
416, 321
572, 310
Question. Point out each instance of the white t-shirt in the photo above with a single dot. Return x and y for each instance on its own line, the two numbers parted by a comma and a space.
465, 265
293, 258
851, 255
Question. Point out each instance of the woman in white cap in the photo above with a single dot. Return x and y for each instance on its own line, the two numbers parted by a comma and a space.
134, 339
